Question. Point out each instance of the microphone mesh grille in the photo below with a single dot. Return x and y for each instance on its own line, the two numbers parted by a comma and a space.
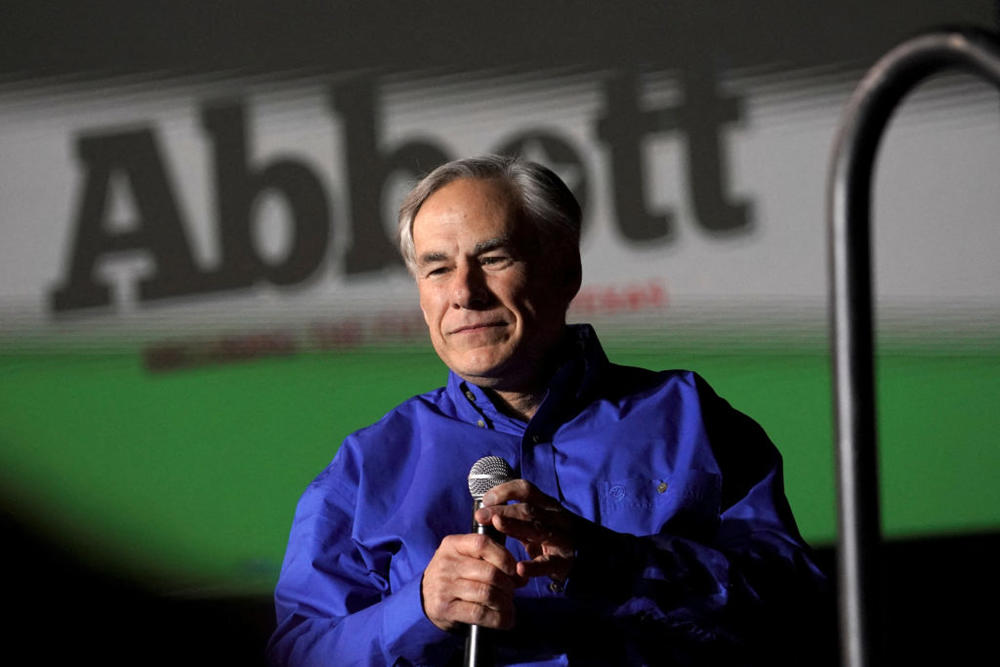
486, 473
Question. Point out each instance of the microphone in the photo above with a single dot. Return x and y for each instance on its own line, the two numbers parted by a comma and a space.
486, 473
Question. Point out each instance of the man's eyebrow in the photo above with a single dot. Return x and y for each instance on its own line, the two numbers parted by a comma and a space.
491, 244
481, 247
432, 256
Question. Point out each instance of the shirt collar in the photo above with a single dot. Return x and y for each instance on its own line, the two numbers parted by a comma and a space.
475, 406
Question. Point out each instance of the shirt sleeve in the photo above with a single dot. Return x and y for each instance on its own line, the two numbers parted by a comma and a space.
333, 603
743, 592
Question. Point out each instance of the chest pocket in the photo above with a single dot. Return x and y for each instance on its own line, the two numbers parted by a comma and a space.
647, 505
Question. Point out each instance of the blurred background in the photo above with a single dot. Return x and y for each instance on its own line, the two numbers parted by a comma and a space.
200, 297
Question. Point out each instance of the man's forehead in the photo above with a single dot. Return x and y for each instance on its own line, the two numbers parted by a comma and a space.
477, 213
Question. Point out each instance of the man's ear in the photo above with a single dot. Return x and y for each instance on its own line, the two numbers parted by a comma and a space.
570, 277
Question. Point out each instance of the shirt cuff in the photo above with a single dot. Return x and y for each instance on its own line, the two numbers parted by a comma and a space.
407, 633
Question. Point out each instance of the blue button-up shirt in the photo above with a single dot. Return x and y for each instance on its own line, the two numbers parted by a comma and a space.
688, 552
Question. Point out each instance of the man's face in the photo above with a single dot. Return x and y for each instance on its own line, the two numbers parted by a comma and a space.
487, 294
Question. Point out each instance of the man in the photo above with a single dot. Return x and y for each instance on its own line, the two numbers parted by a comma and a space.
648, 524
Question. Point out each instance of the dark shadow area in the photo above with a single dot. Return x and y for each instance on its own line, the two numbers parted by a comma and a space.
61, 611
939, 593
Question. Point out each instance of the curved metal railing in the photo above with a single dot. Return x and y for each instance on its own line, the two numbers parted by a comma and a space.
849, 205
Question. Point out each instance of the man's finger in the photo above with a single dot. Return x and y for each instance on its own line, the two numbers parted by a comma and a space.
544, 566
526, 522
525, 530
496, 595
517, 512
483, 548
521, 491
471, 613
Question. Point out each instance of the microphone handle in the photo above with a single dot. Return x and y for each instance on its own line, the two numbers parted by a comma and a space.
478, 646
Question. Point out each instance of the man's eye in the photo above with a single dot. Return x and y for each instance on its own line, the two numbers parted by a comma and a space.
494, 259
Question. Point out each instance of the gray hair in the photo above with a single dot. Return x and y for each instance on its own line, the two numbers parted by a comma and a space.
541, 196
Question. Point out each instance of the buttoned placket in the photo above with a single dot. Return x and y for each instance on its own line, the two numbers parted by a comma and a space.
538, 465
482, 419
537, 457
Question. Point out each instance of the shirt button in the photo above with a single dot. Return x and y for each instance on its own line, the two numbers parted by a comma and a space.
469, 395
536, 439
555, 587
481, 424
662, 488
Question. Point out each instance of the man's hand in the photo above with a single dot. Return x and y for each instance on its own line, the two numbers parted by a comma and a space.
470, 579
539, 522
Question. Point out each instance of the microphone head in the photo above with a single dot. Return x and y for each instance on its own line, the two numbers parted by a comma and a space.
486, 473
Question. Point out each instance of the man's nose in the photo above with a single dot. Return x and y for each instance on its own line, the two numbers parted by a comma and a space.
469, 287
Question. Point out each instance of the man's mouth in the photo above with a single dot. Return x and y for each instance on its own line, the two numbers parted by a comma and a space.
478, 326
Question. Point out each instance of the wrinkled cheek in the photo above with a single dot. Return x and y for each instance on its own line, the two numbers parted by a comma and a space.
433, 309
433, 328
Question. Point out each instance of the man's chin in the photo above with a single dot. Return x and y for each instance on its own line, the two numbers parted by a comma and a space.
484, 361
503, 376
482, 377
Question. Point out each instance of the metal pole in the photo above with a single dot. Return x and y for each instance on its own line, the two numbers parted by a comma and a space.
849, 207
